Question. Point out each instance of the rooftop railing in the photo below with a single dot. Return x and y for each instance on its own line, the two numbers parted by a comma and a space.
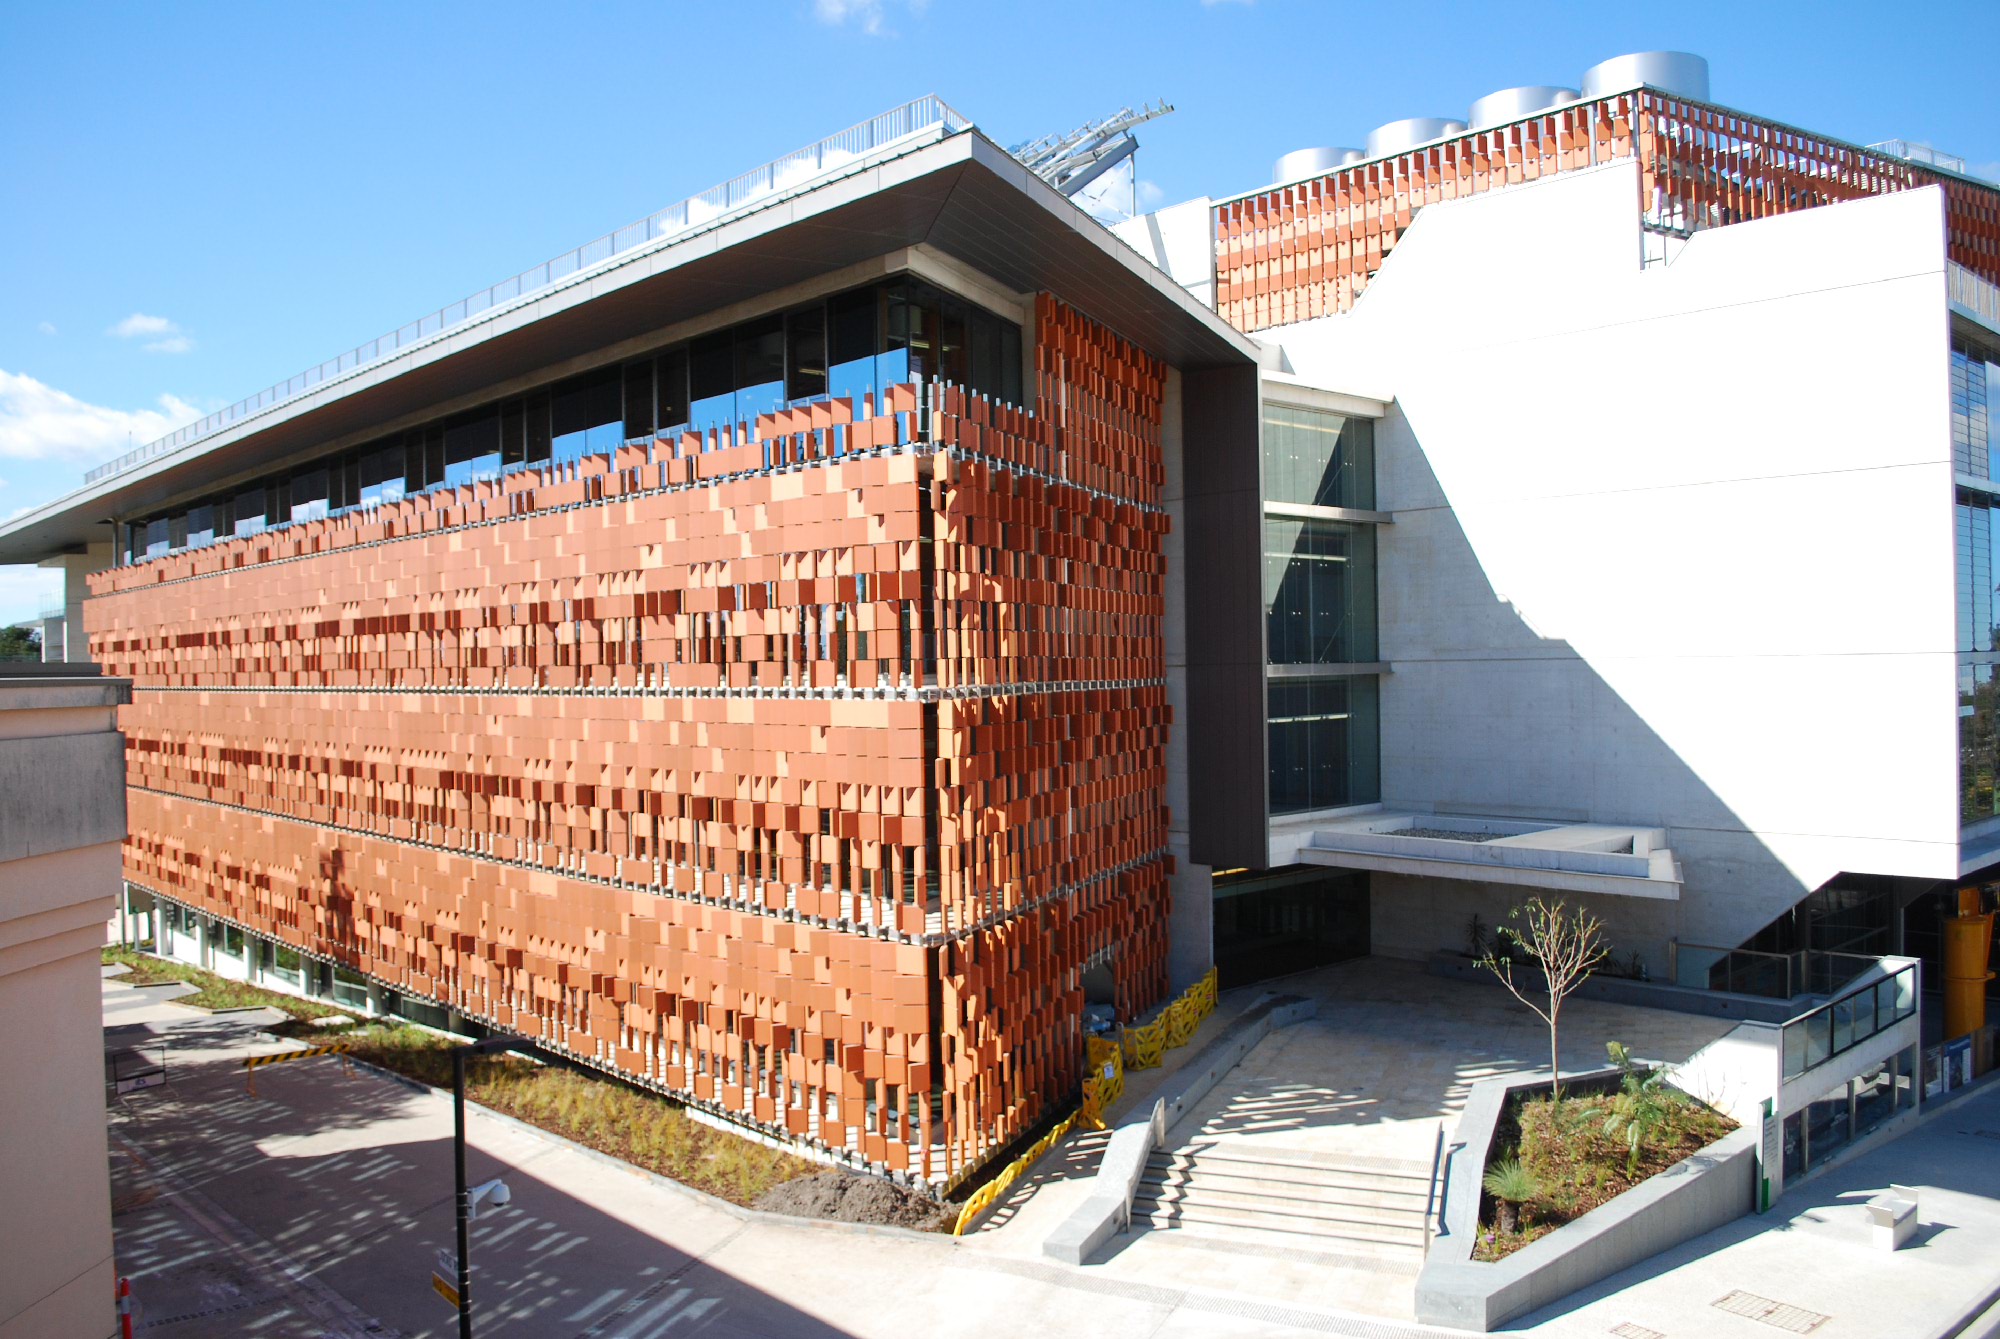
1911, 151
794, 170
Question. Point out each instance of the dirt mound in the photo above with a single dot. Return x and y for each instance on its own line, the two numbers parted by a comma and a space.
850, 1198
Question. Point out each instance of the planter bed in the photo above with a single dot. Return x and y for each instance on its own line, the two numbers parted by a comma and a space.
1686, 1198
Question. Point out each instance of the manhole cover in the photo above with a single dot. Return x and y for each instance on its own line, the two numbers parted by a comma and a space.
1782, 1315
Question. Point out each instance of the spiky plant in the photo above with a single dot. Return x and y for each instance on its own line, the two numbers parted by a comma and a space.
1511, 1185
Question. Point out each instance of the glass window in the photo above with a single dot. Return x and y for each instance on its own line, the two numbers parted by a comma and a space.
228, 940
851, 346
1323, 736
200, 526
382, 473
805, 353
350, 989
639, 399
1975, 374
1975, 576
472, 448
585, 415
954, 357
310, 497
156, 537
513, 433
1319, 591
1317, 458
671, 379
249, 511
712, 382
760, 368
281, 962
540, 444
1978, 743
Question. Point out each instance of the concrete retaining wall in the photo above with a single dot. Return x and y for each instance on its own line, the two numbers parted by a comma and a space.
1625, 990
1713, 1187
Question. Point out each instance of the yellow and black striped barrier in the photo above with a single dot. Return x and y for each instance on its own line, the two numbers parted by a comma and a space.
253, 1063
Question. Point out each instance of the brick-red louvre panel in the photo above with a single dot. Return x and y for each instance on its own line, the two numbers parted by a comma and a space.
800, 771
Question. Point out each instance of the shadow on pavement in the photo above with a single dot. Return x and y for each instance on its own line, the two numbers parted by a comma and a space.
317, 1209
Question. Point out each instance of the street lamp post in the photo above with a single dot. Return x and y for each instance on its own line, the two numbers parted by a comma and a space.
468, 1198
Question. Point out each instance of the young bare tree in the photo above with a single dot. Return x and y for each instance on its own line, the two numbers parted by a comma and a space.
1566, 945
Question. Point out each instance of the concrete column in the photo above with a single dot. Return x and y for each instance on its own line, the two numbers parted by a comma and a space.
1191, 922
76, 568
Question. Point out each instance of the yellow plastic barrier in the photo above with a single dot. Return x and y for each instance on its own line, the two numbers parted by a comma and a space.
1102, 1087
1106, 1081
1174, 1027
984, 1198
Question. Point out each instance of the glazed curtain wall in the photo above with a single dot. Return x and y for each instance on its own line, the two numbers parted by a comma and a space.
801, 785
1975, 379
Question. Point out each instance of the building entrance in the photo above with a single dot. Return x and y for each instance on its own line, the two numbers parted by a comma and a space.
1272, 922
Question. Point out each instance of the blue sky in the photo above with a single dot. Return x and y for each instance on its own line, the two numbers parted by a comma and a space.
199, 200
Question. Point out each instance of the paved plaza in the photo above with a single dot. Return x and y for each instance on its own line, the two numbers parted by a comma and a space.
314, 1209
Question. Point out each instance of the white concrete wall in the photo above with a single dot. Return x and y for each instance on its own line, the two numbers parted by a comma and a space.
59, 873
1673, 544
1179, 239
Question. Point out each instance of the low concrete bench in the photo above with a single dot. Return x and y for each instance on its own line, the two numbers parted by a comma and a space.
1892, 1218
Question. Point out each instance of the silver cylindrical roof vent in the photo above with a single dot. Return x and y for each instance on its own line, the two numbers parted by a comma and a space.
1410, 132
1680, 72
1512, 104
1302, 163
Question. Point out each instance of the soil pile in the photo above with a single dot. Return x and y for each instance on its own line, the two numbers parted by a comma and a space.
849, 1198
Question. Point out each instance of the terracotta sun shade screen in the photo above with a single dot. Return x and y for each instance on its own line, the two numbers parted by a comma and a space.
800, 770
1309, 248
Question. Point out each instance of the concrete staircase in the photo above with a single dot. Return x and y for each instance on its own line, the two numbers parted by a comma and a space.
1239, 1192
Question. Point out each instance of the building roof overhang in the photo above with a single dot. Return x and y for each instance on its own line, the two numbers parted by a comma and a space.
1619, 860
961, 196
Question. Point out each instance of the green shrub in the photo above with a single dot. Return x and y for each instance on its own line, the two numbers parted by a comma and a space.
1511, 1185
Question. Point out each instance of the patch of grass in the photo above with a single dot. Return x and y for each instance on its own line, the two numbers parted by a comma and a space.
1576, 1166
213, 992
608, 1116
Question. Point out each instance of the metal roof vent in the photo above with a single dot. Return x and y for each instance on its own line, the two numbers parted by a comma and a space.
1679, 72
1397, 136
1302, 163
1514, 104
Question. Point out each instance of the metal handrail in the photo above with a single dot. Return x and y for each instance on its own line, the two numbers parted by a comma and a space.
1440, 1182
788, 173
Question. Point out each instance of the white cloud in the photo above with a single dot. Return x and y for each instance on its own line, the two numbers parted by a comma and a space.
39, 422
162, 335
1149, 193
866, 14
46, 327
138, 323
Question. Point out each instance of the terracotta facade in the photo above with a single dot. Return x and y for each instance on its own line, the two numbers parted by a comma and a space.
800, 770
1308, 249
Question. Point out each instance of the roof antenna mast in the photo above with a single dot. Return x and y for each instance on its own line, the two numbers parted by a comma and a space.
1072, 161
